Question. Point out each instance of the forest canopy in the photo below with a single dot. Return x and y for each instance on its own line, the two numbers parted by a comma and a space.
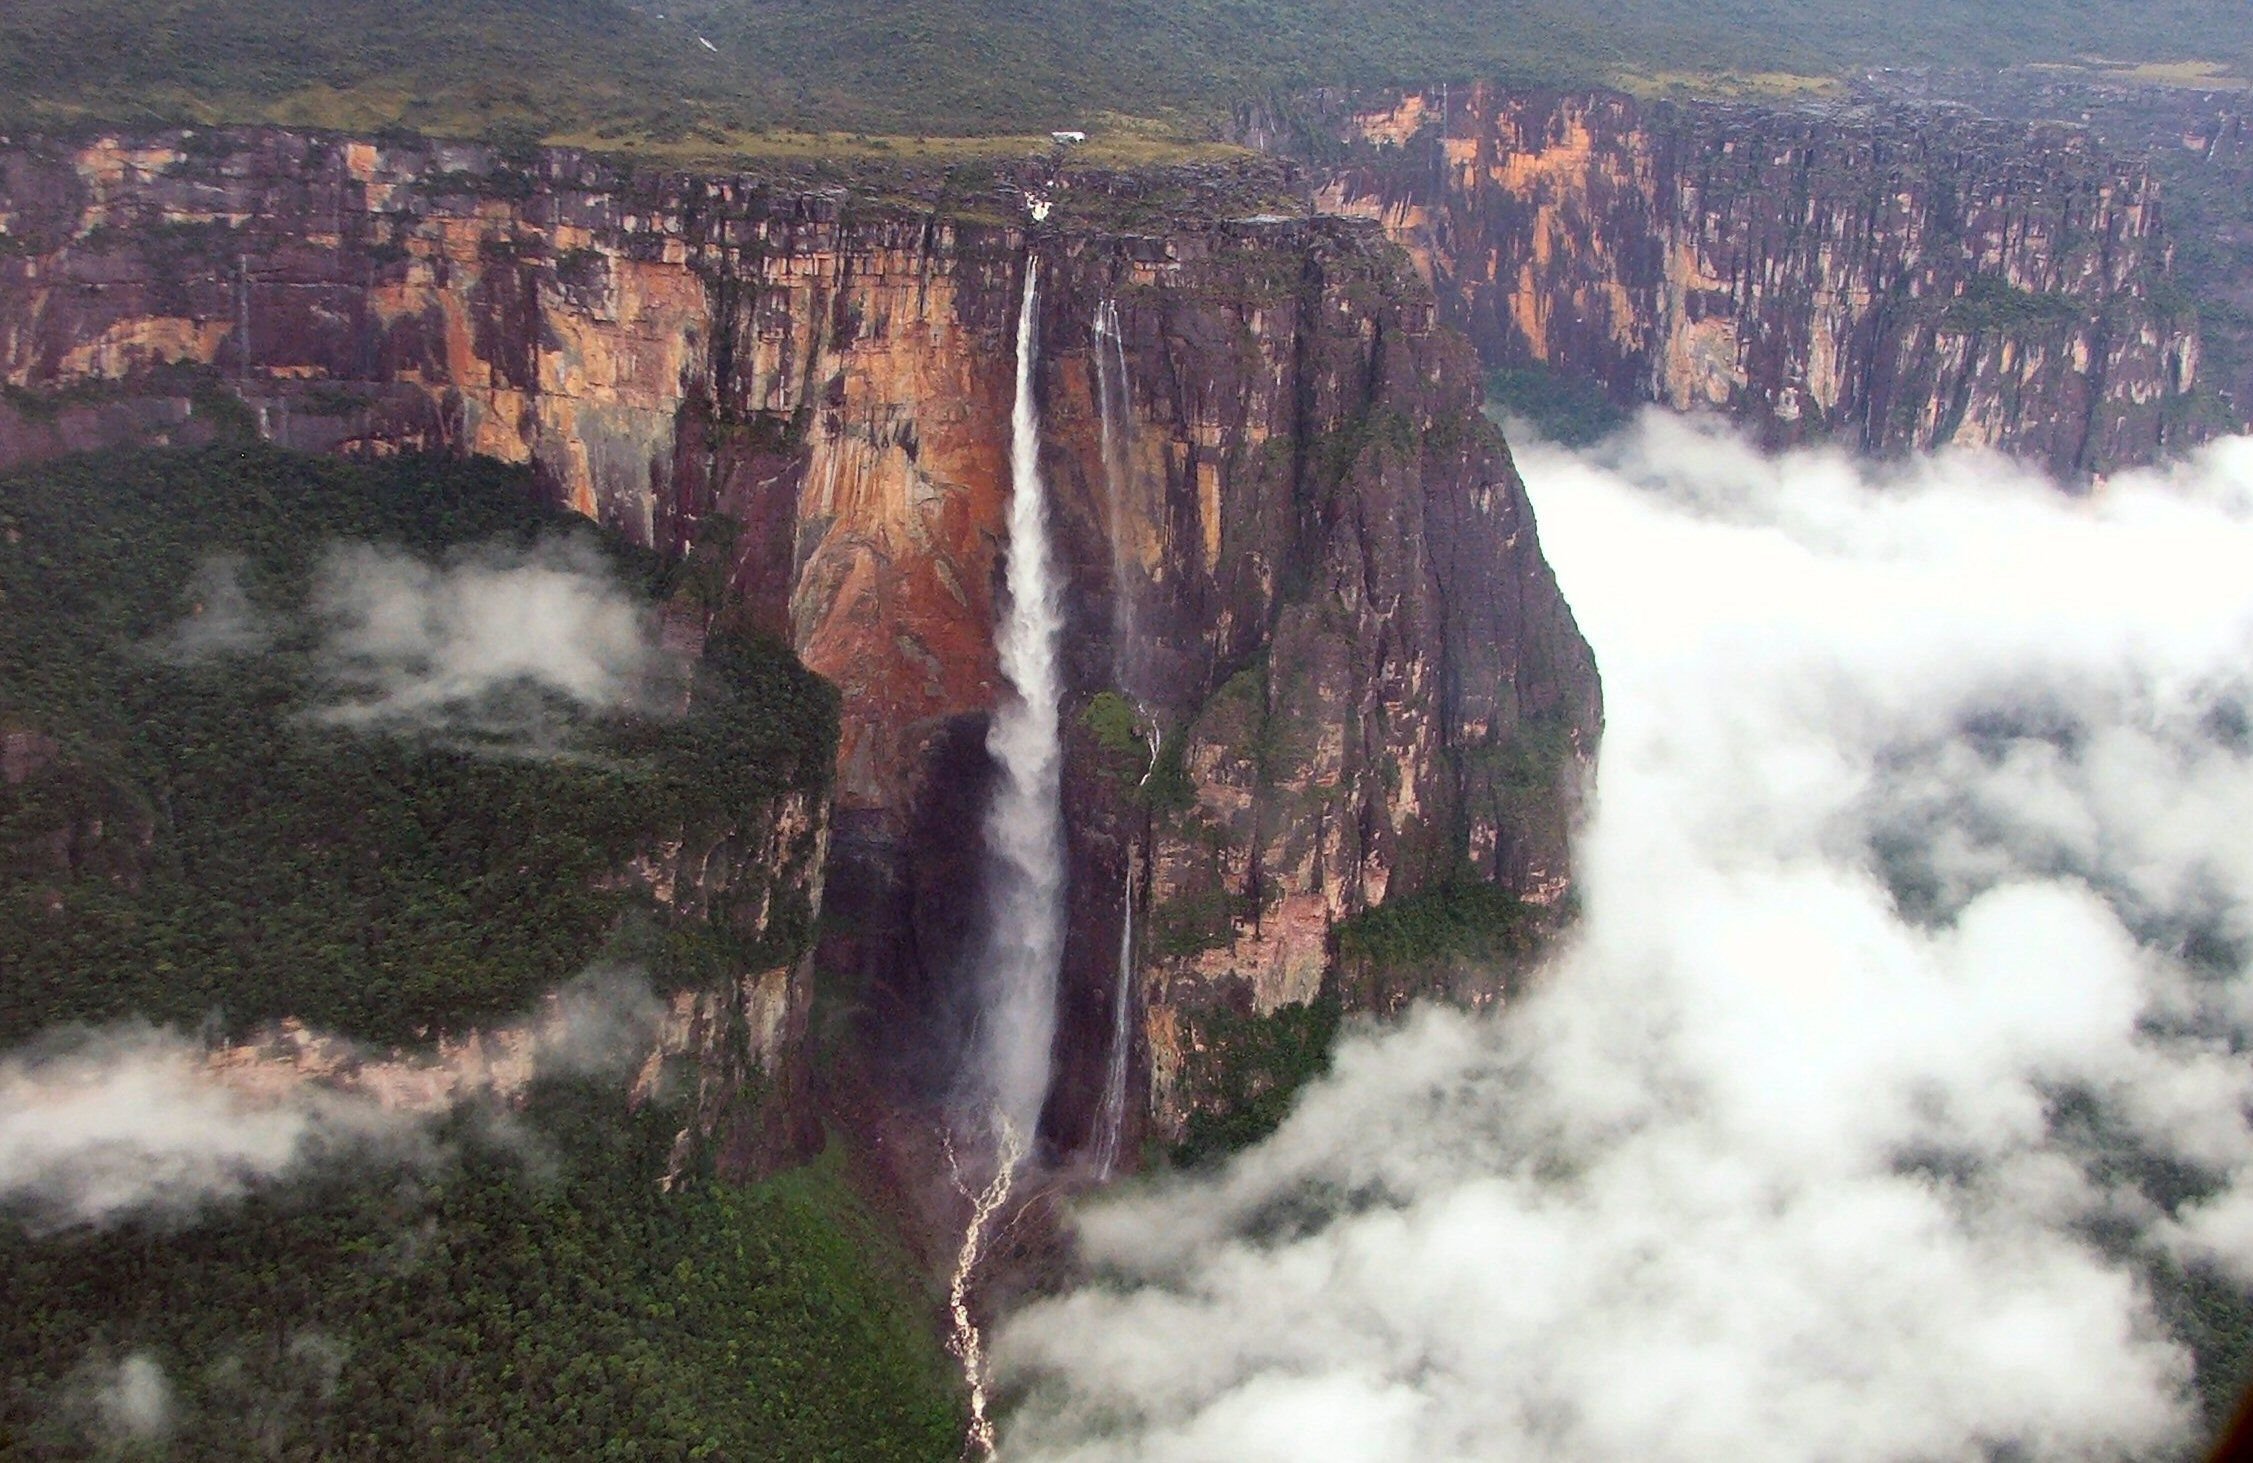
640, 71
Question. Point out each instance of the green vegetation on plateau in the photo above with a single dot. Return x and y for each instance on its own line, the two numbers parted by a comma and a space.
643, 71
511, 1302
253, 862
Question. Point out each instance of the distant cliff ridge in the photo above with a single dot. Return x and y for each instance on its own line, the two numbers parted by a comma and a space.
1892, 279
1297, 560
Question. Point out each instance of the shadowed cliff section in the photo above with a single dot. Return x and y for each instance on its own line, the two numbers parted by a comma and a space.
1363, 680
1895, 280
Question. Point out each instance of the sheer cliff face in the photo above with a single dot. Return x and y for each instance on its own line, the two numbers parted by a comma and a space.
1893, 280
1296, 556
1327, 602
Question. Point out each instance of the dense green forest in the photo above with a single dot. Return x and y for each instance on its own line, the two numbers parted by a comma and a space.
183, 834
199, 842
660, 69
541, 1301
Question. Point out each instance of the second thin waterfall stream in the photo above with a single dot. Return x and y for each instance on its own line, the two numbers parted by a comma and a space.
1111, 391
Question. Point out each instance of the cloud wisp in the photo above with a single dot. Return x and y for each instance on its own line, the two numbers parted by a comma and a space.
133, 1401
489, 649
1901, 1044
101, 1125
221, 619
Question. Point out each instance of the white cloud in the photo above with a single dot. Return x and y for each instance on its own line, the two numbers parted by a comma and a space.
221, 619
133, 1401
472, 647
1920, 831
100, 1124
131, 1119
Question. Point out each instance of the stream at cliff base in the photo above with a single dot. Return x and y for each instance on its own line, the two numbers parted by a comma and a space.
1889, 1098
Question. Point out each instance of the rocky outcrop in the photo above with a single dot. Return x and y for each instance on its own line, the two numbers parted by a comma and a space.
742, 1033
1887, 278
1295, 554
1330, 615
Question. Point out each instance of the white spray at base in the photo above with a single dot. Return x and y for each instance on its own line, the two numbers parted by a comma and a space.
1110, 389
1010, 1057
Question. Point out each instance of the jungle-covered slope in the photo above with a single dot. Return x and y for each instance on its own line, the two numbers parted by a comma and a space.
190, 836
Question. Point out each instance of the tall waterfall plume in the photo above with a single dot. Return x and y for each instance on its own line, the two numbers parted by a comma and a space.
1025, 822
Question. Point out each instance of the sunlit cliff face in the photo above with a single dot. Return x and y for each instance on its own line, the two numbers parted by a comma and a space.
1889, 1100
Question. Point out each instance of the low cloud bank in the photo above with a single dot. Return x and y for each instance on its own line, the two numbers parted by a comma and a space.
98, 1125
1901, 1044
497, 649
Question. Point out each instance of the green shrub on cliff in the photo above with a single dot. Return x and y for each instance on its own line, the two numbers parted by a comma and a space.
1458, 921
1566, 409
1989, 303
1247, 1070
1112, 720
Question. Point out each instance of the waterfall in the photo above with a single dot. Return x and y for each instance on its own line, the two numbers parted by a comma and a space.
1111, 1117
1110, 388
1025, 824
1025, 851
1112, 403
242, 317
